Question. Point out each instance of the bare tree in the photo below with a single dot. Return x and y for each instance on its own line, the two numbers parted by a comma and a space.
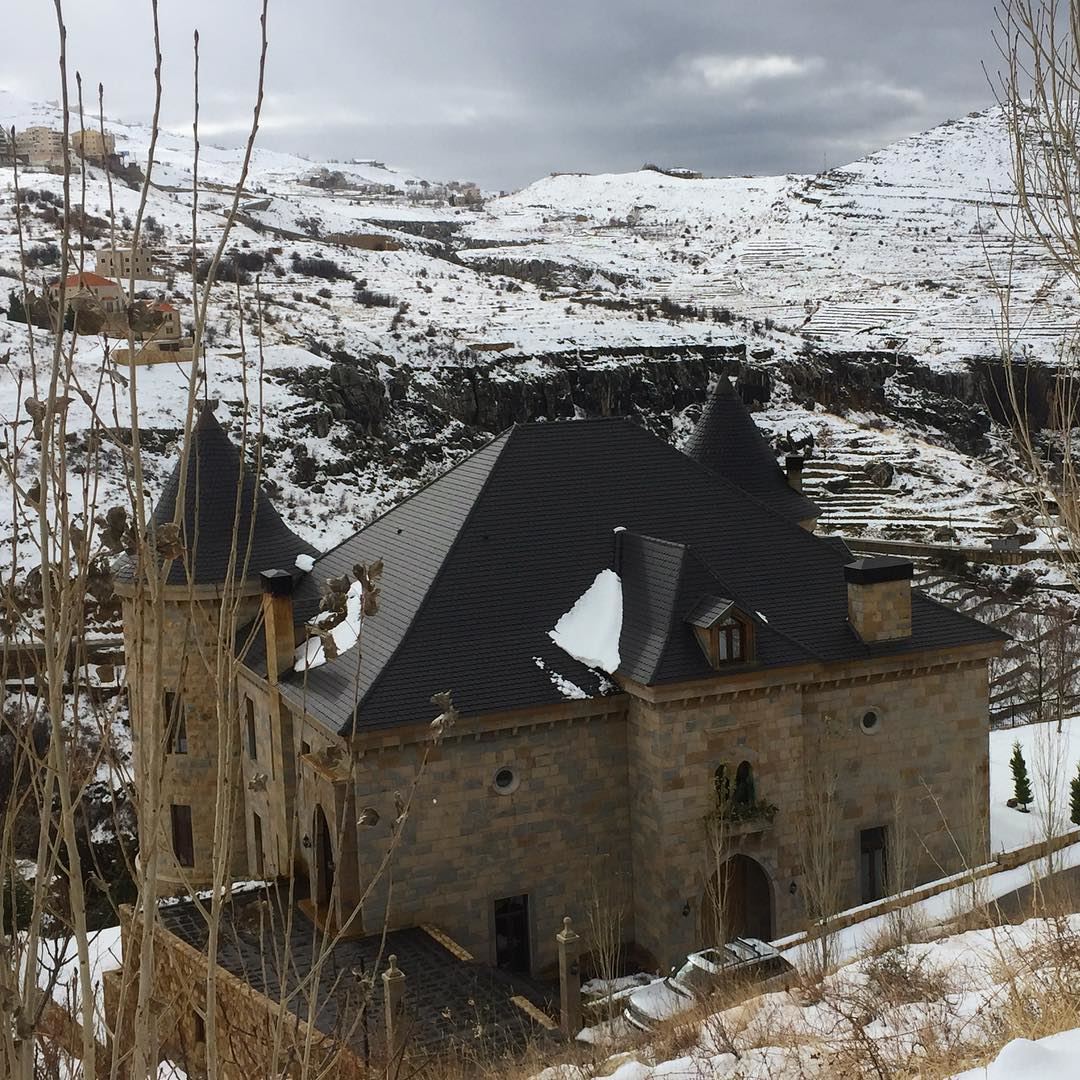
818, 831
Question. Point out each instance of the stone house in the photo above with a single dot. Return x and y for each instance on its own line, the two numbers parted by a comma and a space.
661, 673
92, 290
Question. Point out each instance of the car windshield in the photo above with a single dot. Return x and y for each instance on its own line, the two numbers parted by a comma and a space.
695, 979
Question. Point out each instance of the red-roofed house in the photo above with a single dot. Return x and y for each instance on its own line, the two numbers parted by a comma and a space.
91, 288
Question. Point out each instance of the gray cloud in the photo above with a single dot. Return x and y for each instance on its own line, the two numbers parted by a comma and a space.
503, 91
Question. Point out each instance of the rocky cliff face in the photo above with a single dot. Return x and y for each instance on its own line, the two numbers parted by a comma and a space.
426, 412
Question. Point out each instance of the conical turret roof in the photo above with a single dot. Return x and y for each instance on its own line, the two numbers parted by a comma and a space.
222, 507
727, 441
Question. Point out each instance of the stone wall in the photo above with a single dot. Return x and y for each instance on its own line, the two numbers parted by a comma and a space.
676, 747
249, 1024
926, 758
880, 611
564, 825
922, 770
189, 634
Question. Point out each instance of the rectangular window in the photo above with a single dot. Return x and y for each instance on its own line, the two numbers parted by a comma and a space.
183, 841
172, 707
180, 734
259, 863
873, 868
252, 744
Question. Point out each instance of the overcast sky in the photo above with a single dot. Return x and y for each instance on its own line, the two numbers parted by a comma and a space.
505, 91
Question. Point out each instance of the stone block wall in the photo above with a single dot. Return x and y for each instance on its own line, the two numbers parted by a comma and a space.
249, 1024
675, 749
880, 611
921, 770
563, 826
189, 632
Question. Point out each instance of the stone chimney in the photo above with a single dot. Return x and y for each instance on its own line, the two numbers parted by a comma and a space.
879, 598
277, 609
793, 466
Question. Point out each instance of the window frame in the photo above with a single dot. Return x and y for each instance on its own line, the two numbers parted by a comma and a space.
728, 642
250, 729
182, 830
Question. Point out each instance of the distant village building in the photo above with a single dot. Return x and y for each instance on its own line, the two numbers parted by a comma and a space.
168, 330
649, 649
90, 289
40, 145
93, 146
120, 262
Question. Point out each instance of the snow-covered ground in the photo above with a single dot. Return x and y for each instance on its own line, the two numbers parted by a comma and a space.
944, 997
1052, 759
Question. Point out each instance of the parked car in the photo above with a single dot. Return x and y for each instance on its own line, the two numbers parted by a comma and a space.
741, 962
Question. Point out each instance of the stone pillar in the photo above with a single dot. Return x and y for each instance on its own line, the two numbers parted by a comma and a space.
393, 979
569, 980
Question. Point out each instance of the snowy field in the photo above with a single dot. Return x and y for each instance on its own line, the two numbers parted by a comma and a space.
1052, 759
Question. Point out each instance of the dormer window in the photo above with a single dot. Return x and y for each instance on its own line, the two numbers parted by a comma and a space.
725, 636
729, 640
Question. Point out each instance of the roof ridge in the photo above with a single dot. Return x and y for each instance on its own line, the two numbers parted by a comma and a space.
743, 606
413, 494
399, 645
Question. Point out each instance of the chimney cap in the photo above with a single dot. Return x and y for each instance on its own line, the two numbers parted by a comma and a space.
277, 582
795, 461
879, 568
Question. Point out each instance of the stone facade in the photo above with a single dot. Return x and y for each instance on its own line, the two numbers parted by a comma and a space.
880, 611
622, 789
190, 768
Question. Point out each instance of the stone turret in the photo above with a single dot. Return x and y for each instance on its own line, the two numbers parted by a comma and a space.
727, 441
229, 532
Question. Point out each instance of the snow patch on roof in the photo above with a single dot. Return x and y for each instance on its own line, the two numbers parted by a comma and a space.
590, 630
561, 683
304, 563
312, 653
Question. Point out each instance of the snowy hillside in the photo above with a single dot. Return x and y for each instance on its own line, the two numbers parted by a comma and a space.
402, 322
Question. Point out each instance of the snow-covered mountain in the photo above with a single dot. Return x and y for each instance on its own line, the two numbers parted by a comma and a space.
398, 322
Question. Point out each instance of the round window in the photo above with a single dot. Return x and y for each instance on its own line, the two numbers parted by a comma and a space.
870, 722
506, 780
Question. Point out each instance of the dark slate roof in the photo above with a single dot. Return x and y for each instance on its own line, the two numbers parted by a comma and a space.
727, 440
214, 515
481, 564
709, 610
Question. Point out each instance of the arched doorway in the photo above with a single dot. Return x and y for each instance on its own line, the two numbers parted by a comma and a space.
737, 902
324, 860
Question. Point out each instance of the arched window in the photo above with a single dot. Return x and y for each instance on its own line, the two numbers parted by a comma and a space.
743, 791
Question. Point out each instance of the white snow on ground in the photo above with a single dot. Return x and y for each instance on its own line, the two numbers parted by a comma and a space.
946, 992
1057, 1057
105, 954
1052, 759
590, 630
